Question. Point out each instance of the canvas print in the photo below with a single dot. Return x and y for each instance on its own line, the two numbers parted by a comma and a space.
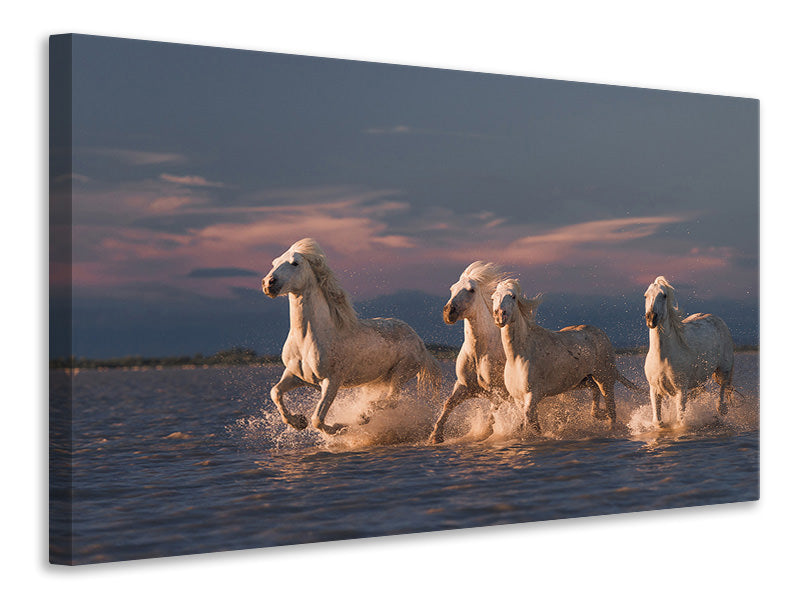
298, 299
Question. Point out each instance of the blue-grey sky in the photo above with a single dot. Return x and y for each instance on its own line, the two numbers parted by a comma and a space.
193, 167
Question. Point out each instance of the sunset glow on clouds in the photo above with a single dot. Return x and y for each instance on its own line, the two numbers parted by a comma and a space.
158, 231
190, 180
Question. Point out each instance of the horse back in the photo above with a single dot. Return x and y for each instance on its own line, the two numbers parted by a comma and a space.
392, 337
701, 317
587, 336
390, 329
594, 345
706, 324
563, 359
704, 331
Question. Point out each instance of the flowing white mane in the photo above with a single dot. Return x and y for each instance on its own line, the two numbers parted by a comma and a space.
487, 275
674, 314
528, 307
342, 311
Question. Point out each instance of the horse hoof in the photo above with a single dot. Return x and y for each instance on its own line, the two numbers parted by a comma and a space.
436, 438
331, 429
299, 422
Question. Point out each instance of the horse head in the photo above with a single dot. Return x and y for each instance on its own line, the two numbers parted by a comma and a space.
656, 302
473, 287
463, 295
508, 301
290, 273
504, 302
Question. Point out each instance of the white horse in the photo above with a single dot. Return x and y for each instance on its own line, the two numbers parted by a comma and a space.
684, 354
329, 348
542, 363
480, 362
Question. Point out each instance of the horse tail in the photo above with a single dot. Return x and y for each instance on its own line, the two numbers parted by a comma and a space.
429, 376
628, 383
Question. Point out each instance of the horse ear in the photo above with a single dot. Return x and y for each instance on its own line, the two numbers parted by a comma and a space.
528, 306
296, 258
535, 302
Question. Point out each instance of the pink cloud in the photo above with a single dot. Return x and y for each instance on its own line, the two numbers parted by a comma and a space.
190, 180
352, 225
109, 254
565, 240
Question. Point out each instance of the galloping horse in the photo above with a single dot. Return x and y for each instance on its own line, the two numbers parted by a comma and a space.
542, 363
328, 347
480, 362
684, 354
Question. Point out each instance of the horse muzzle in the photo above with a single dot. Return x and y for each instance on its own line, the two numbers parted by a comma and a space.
651, 319
449, 314
270, 287
500, 317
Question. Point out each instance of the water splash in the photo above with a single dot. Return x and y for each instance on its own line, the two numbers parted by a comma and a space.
701, 414
368, 421
410, 418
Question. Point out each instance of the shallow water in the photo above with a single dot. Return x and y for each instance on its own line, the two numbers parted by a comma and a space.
181, 461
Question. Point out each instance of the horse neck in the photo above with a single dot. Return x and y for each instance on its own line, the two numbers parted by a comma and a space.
515, 336
663, 339
480, 332
309, 312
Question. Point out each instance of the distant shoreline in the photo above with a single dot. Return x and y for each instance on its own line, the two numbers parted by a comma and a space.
247, 357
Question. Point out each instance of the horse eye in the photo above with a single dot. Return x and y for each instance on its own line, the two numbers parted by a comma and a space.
471, 291
293, 263
513, 297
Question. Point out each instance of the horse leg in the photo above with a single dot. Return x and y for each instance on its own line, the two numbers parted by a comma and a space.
655, 401
460, 393
531, 402
680, 399
376, 395
725, 390
400, 376
607, 390
329, 389
722, 405
495, 402
597, 412
287, 383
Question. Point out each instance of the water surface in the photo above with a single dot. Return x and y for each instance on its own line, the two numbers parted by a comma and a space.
180, 461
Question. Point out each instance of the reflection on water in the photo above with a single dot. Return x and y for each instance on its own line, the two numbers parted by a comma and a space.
183, 461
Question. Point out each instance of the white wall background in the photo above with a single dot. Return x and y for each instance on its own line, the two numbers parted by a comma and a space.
731, 48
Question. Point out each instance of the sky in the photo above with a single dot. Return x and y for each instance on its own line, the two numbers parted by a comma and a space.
190, 168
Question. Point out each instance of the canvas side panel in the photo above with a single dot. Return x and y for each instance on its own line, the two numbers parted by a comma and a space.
758, 229
60, 309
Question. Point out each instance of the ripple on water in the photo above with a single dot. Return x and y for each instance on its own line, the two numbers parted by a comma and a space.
179, 462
